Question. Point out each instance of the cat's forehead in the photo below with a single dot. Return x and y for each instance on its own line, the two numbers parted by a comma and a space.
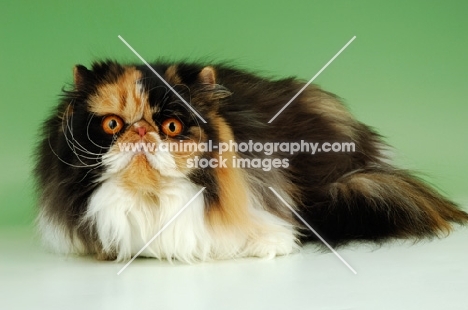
124, 97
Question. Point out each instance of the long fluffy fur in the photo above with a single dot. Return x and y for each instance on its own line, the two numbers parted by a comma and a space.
94, 198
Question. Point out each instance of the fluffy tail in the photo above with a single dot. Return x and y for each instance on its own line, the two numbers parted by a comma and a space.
378, 204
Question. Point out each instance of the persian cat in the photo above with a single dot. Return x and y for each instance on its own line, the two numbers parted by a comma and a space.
107, 185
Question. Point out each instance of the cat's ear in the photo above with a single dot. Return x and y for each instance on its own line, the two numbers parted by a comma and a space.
172, 76
207, 76
81, 74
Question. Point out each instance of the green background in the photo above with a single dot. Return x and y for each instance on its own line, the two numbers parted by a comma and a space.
406, 74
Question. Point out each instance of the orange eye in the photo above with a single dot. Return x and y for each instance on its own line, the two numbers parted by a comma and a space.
172, 127
112, 124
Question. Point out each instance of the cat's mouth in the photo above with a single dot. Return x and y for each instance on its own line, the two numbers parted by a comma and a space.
145, 156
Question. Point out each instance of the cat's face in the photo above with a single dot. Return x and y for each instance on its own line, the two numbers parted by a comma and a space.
118, 117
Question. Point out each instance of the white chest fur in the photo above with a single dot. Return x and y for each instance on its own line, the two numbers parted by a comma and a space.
125, 222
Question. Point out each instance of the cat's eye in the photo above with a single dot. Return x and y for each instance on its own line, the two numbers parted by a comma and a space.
112, 124
172, 127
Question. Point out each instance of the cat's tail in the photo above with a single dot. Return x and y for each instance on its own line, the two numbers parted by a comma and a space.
378, 204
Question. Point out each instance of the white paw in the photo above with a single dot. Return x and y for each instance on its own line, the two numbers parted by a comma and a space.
272, 245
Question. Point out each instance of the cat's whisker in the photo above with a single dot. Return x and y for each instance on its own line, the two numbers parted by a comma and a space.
89, 138
84, 177
82, 148
74, 142
67, 163
70, 143
74, 149
189, 95
159, 86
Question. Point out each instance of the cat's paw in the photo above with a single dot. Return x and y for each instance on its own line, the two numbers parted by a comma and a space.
103, 256
273, 245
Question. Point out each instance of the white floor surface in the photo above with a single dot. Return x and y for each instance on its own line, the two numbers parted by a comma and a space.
427, 275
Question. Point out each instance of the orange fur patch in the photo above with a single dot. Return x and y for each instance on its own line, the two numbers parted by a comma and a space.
122, 98
231, 214
140, 177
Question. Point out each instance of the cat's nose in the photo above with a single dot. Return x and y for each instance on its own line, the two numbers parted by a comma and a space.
141, 131
142, 128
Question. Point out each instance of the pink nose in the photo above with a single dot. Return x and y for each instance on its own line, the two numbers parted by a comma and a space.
141, 131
